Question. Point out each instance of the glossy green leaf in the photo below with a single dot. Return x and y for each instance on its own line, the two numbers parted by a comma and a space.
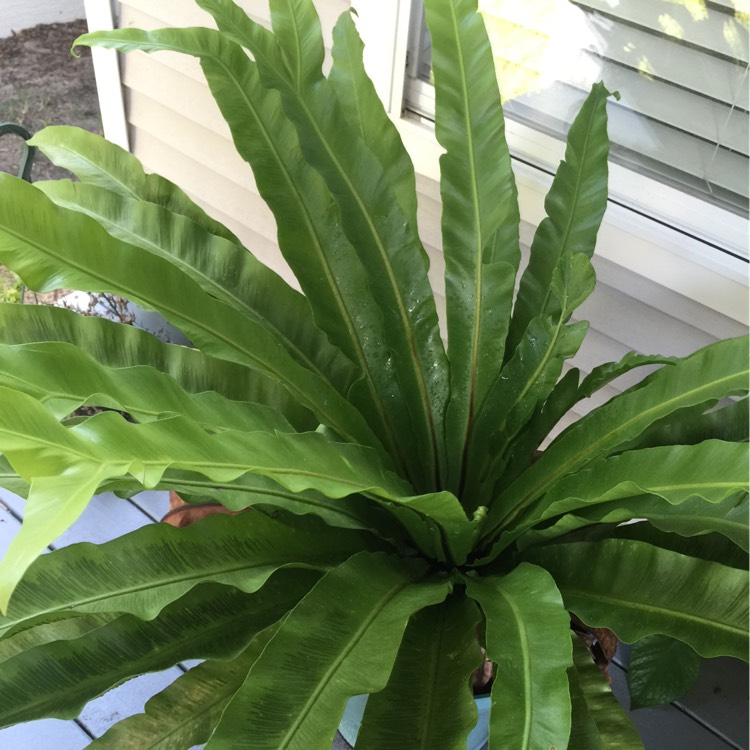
528, 638
58, 626
712, 373
574, 206
210, 622
10, 479
226, 270
355, 617
546, 416
528, 378
660, 670
599, 722
185, 713
566, 394
370, 216
67, 465
310, 233
701, 603
479, 198
259, 492
691, 517
54, 502
362, 108
730, 519
690, 426
237, 26
707, 546
428, 702
97, 161
299, 461
583, 734
712, 470
434, 523
253, 490
525, 381
116, 345
143, 571
606, 373
63, 377
297, 28
383, 236
50, 247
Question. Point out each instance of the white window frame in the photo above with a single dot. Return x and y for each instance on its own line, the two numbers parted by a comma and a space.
647, 246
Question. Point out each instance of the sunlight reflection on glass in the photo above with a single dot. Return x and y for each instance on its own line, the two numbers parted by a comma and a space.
681, 67
537, 42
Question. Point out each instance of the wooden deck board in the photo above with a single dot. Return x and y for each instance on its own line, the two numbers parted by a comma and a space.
665, 727
125, 700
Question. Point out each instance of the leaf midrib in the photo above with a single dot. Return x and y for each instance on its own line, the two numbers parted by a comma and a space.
100, 170
637, 606
567, 230
221, 291
205, 635
231, 344
592, 448
331, 283
205, 574
342, 656
501, 453
426, 717
525, 659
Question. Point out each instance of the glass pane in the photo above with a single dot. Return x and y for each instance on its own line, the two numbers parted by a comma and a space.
680, 66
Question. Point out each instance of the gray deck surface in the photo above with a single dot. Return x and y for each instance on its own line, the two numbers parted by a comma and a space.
713, 717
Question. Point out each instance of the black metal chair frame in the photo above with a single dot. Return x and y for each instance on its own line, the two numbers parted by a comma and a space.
29, 152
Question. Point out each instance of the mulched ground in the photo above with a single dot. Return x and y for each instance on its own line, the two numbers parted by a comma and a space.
41, 84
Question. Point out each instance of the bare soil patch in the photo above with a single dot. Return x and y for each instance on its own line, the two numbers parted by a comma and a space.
42, 84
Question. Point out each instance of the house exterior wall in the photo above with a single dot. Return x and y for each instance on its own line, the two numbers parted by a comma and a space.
177, 130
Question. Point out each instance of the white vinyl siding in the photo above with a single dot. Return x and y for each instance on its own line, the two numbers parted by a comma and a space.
176, 128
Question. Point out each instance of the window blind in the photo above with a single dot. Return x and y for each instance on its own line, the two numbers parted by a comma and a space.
680, 66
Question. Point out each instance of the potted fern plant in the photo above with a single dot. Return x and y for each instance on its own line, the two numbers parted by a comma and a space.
401, 528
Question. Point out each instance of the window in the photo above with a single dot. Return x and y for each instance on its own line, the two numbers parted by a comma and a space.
677, 214
681, 68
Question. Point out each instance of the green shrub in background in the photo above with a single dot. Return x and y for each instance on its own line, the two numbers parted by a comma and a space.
12, 290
